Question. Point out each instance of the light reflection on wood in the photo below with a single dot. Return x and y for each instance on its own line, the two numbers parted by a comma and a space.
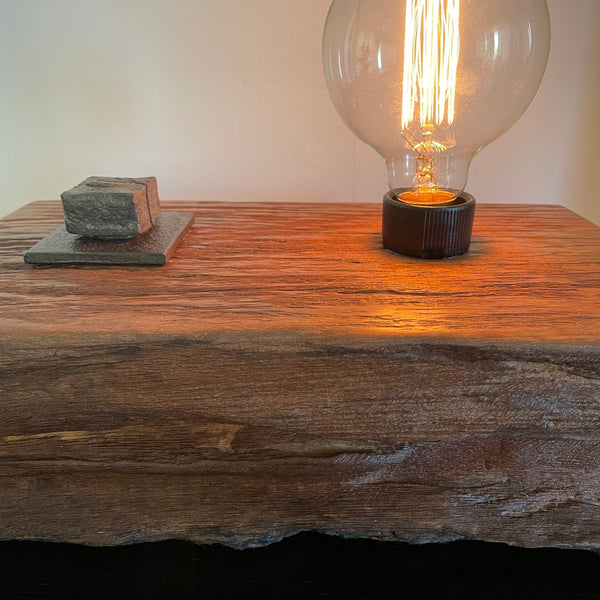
533, 274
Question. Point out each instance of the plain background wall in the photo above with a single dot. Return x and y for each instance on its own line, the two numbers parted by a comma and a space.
225, 100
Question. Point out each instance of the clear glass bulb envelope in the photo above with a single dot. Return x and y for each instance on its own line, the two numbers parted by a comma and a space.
428, 83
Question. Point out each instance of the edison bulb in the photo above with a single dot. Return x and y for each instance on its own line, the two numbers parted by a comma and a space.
429, 83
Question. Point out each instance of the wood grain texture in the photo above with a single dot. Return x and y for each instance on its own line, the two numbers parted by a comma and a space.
284, 373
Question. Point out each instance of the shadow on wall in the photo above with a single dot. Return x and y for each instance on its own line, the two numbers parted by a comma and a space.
580, 185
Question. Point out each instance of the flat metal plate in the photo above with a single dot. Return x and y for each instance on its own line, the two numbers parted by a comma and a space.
152, 248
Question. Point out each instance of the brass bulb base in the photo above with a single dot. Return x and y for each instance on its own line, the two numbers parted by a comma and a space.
440, 231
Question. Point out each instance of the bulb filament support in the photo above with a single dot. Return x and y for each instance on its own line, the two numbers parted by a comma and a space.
431, 53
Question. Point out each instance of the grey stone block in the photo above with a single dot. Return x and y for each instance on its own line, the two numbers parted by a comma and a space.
111, 207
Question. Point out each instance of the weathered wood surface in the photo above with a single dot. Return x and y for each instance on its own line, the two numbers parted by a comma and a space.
284, 373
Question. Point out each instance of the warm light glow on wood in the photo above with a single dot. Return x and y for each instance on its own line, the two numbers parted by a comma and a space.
432, 47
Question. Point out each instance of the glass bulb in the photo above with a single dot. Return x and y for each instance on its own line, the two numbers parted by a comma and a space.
429, 83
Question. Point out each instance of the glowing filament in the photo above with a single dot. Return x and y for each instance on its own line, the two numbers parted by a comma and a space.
432, 47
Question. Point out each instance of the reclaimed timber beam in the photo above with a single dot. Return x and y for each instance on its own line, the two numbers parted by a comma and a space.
283, 373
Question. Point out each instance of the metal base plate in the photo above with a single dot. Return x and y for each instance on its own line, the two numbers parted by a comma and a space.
152, 248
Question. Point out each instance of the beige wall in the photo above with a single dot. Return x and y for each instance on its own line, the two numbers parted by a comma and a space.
225, 100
